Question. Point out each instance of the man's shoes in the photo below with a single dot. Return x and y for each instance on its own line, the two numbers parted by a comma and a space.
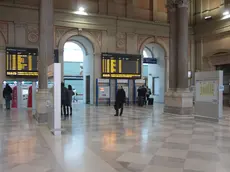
115, 115
121, 114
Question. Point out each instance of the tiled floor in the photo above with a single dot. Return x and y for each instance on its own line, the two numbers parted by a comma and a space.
143, 140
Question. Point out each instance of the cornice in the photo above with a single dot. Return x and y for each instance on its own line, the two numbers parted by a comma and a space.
89, 14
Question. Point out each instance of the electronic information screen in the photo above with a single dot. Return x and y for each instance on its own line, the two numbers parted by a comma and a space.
21, 62
123, 66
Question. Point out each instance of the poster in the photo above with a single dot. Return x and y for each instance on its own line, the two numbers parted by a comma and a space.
206, 91
104, 92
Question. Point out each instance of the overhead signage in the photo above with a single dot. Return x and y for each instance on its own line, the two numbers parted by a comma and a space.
150, 60
120, 66
21, 62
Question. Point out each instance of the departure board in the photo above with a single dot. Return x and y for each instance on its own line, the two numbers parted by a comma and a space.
21, 62
123, 66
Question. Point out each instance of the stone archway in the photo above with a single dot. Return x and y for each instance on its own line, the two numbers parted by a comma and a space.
215, 58
96, 60
163, 45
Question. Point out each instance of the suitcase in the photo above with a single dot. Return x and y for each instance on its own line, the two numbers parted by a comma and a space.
150, 102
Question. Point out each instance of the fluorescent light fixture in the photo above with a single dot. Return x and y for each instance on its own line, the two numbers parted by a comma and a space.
207, 17
225, 13
81, 11
226, 17
189, 74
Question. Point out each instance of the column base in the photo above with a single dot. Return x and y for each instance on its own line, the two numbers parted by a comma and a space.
44, 100
179, 102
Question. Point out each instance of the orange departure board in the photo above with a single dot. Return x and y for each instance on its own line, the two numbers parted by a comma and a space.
123, 66
21, 62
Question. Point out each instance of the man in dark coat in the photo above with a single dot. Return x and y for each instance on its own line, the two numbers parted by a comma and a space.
64, 99
120, 100
7, 95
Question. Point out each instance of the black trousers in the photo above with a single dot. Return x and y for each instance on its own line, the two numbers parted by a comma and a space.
64, 109
119, 106
70, 109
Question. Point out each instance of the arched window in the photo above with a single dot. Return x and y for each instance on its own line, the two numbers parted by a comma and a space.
73, 52
147, 53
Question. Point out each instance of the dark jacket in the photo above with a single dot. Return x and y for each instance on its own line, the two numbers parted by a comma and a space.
64, 95
120, 96
7, 92
70, 95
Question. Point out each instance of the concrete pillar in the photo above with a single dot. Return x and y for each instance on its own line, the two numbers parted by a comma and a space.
172, 46
46, 50
182, 43
178, 99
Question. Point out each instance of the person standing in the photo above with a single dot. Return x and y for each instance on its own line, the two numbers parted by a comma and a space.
148, 93
120, 100
64, 100
70, 99
139, 91
144, 91
7, 95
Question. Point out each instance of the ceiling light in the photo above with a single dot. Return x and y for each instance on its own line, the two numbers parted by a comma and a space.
226, 17
208, 17
82, 9
225, 13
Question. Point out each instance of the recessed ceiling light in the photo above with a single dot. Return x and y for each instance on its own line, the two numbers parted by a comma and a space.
226, 17
81, 9
225, 13
208, 17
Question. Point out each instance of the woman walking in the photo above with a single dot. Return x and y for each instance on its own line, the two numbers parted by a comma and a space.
70, 95
7, 95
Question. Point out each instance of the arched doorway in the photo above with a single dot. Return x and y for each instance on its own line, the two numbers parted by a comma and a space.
73, 69
91, 60
154, 74
220, 60
78, 67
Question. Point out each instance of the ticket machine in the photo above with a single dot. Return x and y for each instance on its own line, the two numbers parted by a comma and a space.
23, 95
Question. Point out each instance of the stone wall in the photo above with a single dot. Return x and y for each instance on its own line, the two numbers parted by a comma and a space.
135, 9
106, 33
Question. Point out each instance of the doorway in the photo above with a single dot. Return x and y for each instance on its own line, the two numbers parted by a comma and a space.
154, 70
87, 89
78, 66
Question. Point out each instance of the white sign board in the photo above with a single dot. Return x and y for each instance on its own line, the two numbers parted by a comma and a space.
209, 95
207, 91
139, 81
54, 118
122, 81
103, 81
104, 92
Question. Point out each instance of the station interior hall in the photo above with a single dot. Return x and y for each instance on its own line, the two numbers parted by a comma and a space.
114, 85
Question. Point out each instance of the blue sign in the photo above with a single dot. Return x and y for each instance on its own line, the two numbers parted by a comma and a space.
150, 60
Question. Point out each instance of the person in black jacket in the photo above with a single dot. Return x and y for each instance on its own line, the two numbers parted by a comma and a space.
64, 99
7, 95
120, 100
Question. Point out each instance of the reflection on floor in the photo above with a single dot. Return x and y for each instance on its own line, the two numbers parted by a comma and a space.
143, 140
